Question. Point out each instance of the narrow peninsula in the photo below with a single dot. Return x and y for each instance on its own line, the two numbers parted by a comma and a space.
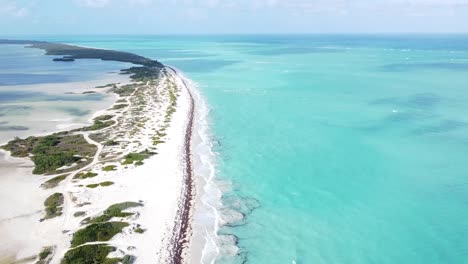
121, 189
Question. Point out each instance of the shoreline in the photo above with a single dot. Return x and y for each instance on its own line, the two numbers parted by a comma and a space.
181, 237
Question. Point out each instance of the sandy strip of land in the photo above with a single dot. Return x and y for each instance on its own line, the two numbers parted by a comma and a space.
158, 184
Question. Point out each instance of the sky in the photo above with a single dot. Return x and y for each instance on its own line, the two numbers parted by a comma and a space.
57, 17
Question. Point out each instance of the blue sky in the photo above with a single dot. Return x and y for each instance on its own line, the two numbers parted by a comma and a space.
20, 17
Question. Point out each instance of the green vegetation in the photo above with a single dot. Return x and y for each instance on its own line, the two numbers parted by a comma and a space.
53, 205
102, 184
100, 122
79, 213
111, 143
97, 232
44, 254
107, 85
125, 90
103, 118
85, 175
109, 168
121, 101
53, 151
98, 125
137, 157
128, 259
139, 230
119, 106
92, 254
143, 74
54, 182
76, 52
115, 210
106, 183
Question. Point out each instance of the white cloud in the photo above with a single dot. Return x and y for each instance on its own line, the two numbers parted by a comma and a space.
11, 8
94, 3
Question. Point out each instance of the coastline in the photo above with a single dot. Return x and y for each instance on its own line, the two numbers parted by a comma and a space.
180, 196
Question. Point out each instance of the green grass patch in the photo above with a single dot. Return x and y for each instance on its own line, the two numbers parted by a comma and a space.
137, 157
103, 118
97, 232
119, 106
106, 183
98, 125
54, 182
92, 186
109, 168
107, 85
79, 213
139, 230
115, 210
53, 205
53, 151
45, 253
92, 254
111, 143
85, 175
125, 90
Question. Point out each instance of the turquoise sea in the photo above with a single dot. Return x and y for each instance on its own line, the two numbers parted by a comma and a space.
337, 148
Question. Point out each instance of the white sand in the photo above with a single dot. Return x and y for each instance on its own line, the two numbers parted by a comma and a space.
157, 184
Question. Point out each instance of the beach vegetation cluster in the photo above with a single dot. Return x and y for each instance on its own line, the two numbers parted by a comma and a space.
85, 175
89, 254
173, 95
54, 182
53, 151
119, 106
109, 168
102, 184
107, 85
45, 253
95, 254
100, 122
79, 213
125, 90
97, 232
115, 210
143, 74
137, 158
111, 142
53, 205
100, 229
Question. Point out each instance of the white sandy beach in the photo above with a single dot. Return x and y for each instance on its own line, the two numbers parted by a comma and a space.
157, 184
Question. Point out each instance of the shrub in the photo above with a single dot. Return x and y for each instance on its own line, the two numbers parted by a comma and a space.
114, 210
109, 168
97, 232
54, 182
53, 205
87, 254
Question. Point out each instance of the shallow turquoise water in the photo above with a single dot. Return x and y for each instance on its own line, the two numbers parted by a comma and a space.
355, 147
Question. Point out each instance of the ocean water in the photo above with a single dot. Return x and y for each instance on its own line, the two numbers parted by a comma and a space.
38, 95
334, 148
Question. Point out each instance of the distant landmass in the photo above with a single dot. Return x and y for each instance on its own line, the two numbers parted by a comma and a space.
71, 52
